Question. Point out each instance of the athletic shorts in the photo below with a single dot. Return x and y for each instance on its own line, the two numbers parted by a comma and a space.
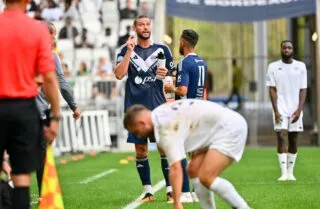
231, 139
287, 125
20, 134
137, 140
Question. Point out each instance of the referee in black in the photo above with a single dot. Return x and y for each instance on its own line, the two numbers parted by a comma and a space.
24, 53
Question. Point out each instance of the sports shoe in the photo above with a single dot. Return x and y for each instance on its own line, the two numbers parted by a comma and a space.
148, 197
194, 197
186, 197
291, 177
284, 177
169, 197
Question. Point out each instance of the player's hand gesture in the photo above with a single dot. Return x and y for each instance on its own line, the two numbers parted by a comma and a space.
277, 117
295, 116
130, 43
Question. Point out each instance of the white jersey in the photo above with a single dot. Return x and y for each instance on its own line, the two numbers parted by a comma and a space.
288, 80
189, 125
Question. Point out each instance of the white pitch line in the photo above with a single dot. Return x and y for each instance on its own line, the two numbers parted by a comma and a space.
136, 204
95, 177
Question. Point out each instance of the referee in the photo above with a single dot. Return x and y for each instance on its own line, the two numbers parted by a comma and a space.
24, 52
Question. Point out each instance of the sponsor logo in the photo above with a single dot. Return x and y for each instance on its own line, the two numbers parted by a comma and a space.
179, 78
198, 60
147, 79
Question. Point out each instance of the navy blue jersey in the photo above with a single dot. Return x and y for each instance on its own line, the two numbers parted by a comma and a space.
142, 86
191, 72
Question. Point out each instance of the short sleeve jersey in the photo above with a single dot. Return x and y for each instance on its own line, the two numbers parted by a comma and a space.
192, 71
142, 86
288, 79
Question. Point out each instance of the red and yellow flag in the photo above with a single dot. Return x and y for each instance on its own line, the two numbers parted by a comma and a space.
51, 197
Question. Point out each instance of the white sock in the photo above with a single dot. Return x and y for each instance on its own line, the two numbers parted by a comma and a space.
205, 196
148, 189
283, 163
228, 193
169, 189
291, 162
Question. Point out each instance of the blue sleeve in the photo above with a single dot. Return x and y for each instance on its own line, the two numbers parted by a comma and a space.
183, 74
169, 58
121, 54
63, 84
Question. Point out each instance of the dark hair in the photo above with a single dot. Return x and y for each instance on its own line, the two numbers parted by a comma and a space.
141, 17
190, 36
285, 41
12, 1
131, 114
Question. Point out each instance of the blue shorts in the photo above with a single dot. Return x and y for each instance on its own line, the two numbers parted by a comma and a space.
137, 140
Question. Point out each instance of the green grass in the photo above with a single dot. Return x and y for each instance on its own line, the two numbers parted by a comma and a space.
255, 177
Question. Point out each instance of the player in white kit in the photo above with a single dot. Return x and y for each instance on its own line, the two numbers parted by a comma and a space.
287, 82
213, 136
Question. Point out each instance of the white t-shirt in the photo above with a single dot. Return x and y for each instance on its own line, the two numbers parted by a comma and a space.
188, 125
288, 80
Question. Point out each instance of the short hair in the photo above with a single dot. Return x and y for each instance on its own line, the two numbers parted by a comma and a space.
131, 114
190, 36
141, 17
285, 41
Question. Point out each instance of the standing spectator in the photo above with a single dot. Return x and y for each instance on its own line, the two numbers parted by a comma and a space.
129, 12
287, 82
137, 59
192, 69
237, 80
21, 59
68, 31
43, 104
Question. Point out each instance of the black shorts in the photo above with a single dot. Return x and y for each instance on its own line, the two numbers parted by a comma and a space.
20, 134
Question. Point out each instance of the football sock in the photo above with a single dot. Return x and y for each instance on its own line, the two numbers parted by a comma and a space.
228, 193
205, 196
20, 198
165, 169
185, 184
143, 168
283, 163
291, 162
148, 189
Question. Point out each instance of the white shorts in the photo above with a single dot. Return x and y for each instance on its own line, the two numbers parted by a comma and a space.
287, 125
231, 140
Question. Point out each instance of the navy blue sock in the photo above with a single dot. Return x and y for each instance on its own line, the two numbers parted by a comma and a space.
143, 168
185, 184
165, 169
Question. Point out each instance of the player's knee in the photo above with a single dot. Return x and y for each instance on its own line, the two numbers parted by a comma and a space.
141, 151
206, 178
281, 136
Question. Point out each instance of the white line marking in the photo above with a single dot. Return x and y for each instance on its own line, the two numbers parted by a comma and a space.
95, 177
136, 204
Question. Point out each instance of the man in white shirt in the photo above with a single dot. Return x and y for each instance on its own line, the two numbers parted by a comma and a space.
287, 82
214, 137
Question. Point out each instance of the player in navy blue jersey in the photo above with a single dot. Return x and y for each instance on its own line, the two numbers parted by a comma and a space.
138, 60
191, 70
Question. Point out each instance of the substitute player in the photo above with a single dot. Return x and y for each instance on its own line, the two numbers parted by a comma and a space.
287, 82
138, 61
24, 53
214, 137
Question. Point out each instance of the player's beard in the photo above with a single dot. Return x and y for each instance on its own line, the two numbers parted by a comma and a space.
287, 57
181, 51
140, 36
